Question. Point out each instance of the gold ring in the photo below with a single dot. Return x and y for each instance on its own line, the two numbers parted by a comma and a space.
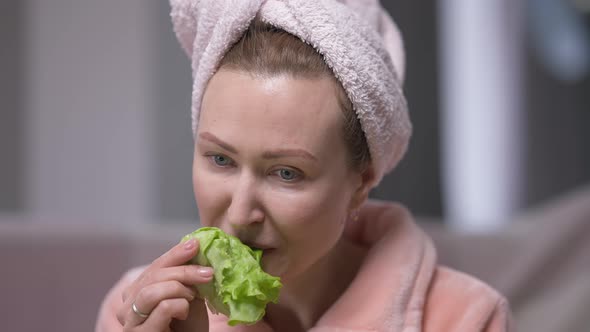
138, 312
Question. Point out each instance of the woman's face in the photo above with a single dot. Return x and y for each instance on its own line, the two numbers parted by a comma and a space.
271, 167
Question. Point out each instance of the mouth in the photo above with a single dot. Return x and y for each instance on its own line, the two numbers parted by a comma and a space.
257, 246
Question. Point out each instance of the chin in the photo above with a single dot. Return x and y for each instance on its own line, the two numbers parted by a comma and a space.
274, 264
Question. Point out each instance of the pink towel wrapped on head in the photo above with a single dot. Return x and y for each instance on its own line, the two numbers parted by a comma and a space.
357, 39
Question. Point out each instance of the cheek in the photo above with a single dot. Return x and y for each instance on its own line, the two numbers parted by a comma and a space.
310, 221
307, 209
209, 195
321, 204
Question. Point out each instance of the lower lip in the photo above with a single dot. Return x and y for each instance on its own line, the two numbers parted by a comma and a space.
268, 251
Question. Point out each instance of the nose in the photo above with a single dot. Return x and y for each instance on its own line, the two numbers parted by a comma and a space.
245, 207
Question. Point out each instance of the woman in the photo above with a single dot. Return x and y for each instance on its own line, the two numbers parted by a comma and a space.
297, 114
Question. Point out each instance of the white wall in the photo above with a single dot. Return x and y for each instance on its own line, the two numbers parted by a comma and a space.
94, 112
90, 110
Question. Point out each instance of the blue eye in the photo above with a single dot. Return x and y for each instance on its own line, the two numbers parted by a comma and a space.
221, 160
288, 174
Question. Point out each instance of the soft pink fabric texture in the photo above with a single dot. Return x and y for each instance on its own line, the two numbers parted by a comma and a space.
357, 38
398, 288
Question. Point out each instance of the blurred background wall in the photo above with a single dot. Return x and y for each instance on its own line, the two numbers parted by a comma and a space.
95, 96
11, 109
95, 112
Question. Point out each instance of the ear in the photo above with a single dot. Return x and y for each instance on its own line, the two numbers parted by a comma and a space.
364, 187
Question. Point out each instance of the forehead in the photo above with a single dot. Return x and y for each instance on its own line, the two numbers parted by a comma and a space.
274, 110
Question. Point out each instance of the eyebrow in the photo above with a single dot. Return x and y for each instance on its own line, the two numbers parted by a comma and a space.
212, 138
275, 154
280, 153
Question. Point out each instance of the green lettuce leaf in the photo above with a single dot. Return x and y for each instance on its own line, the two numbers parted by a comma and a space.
240, 289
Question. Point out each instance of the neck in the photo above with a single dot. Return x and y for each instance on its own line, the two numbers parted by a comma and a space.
306, 298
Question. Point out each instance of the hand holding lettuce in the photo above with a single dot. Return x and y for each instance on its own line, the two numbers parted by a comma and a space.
240, 288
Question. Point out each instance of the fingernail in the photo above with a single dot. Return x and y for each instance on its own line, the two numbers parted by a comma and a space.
190, 244
205, 271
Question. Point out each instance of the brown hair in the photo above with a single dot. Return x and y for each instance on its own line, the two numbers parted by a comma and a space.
266, 50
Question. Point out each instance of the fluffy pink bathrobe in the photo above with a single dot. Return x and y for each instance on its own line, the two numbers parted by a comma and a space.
399, 286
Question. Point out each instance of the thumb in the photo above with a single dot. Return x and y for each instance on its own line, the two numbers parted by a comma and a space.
197, 320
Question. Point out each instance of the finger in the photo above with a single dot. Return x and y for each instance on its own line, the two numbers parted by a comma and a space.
186, 274
197, 319
178, 255
150, 296
165, 311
